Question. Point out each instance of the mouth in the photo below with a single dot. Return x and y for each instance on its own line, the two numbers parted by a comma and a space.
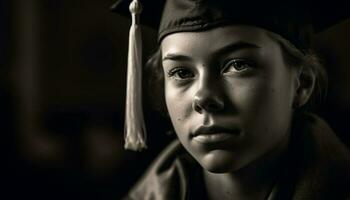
214, 134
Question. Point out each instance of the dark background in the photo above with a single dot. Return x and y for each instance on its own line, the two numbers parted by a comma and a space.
62, 91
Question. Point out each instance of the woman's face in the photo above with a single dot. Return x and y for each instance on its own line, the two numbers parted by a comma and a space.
229, 94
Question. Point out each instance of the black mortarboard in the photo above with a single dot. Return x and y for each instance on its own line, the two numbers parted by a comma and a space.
295, 20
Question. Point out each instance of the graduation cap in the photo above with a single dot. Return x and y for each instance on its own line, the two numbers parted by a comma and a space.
296, 21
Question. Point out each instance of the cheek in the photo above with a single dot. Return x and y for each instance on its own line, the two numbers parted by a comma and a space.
179, 105
263, 109
266, 94
263, 103
248, 97
270, 109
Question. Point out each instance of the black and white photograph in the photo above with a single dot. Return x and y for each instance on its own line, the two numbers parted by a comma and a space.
175, 99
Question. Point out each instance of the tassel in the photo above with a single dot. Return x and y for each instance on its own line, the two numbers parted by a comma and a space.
135, 131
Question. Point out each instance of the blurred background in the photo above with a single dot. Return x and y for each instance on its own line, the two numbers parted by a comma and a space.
62, 91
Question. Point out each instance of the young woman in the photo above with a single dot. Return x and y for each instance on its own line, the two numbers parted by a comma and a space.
236, 89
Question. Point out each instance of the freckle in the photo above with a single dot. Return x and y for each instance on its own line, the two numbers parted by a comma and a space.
178, 119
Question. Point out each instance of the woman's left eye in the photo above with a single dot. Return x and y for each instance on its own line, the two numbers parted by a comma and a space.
238, 66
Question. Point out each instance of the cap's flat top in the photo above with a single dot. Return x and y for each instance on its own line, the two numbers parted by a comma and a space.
323, 14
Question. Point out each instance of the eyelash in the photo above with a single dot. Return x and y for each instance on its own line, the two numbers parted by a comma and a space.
238, 62
175, 72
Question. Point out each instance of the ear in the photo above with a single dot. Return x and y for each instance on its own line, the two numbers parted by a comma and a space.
305, 86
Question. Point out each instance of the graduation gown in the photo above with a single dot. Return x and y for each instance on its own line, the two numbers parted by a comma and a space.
318, 168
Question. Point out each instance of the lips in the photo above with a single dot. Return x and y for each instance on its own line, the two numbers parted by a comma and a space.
212, 134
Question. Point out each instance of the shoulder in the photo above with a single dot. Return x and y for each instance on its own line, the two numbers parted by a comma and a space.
167, 176
320, 142
324, 162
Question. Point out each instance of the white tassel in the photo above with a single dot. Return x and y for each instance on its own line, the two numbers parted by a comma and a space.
135, 131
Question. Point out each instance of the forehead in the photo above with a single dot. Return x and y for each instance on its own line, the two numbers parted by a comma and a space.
214, 39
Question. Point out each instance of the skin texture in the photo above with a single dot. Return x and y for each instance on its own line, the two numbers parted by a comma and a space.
233, 78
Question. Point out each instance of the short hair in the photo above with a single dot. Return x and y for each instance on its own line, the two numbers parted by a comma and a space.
309, 59
154, 76
293, 57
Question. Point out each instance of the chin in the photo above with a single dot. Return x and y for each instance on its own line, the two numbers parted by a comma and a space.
221, 161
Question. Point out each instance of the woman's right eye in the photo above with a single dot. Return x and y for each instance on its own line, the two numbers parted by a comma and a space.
180, 73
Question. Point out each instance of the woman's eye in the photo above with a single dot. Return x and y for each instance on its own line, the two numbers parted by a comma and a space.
238, 66
180, 73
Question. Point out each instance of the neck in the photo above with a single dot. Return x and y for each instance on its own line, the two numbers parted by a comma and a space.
254, 181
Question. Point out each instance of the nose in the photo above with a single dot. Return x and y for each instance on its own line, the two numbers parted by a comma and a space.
208, 98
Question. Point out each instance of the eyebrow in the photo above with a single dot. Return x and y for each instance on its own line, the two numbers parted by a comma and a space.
178, 57
240, 45
226, 49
